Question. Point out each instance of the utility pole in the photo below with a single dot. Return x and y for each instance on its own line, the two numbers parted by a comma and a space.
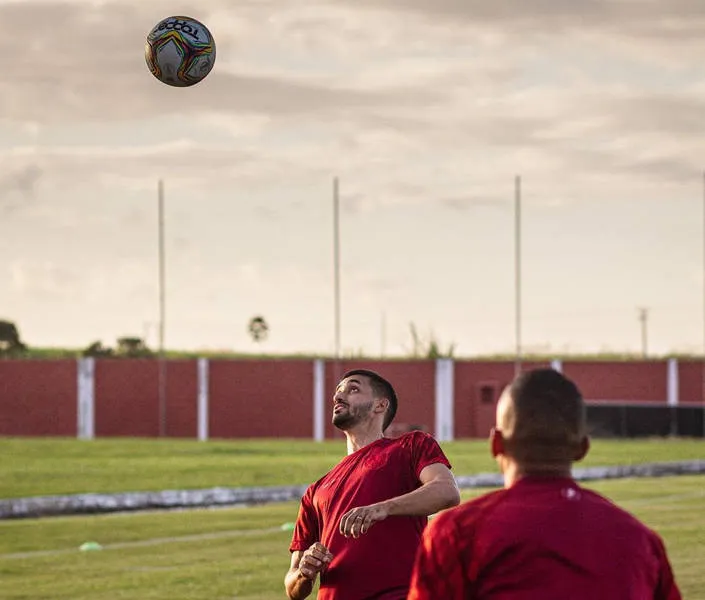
644, 319
517, 275
162, 311
336, 266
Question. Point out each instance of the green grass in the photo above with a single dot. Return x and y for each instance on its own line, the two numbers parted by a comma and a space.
48, 466
246, 556
242, 553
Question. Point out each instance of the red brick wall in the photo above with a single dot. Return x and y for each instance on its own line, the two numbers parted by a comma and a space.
274, 398
126, 398
477, 387
691, 376
261, 398
620, 381
38, 397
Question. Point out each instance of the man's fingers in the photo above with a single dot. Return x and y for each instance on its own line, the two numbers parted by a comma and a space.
357, 525
314, 560
341, 527
306, 572
366, 524
357, 522
320, 554
346, 524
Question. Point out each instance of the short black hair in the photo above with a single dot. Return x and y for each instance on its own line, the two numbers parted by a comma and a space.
382, 389
549, 415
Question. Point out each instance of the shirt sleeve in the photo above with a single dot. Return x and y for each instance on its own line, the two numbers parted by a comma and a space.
306, 529
426, 451
438, 570
667, 588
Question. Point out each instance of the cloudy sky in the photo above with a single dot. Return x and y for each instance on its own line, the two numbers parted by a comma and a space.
425, 110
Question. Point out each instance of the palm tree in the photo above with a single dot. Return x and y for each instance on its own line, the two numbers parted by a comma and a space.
258, 329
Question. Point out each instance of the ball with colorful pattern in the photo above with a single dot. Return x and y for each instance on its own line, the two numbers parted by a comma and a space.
180, 51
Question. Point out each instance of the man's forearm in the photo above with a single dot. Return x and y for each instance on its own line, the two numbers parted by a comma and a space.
426, 500
297, 586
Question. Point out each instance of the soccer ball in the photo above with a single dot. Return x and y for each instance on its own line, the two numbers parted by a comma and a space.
180, 51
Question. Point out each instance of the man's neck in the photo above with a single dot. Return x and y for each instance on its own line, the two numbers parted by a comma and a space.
514, 472
361, 437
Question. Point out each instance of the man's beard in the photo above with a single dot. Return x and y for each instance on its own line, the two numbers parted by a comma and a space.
351, 417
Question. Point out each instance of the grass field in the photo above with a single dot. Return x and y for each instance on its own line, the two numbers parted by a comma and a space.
242, 553
32, 467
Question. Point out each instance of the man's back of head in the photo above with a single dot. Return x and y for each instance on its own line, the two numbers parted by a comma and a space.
541, 419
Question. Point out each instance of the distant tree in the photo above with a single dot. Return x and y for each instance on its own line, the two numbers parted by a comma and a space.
97, 350
10, 342
258, 329
132, 347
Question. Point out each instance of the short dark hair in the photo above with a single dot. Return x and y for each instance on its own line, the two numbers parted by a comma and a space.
381, 388
549, 416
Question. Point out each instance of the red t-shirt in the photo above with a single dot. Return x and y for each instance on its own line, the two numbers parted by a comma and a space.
543, 538
377, 564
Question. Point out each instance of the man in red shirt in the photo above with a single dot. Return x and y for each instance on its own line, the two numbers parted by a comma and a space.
543, 536
359, 526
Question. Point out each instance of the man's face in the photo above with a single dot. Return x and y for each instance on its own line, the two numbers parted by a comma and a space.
352, 402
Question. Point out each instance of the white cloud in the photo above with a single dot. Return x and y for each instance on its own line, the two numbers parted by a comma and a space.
426, 111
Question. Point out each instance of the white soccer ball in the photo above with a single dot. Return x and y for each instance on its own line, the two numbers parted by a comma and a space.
180, 51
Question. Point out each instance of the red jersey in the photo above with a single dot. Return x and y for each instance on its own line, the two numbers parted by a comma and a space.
377, 564
541, 538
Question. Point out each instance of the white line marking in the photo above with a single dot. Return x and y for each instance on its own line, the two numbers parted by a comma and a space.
148, 542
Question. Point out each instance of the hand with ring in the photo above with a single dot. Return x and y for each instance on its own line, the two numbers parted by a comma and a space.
358, 521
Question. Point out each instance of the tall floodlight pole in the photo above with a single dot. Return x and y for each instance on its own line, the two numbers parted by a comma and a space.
517, 274
644, 320
336, 265
162, 311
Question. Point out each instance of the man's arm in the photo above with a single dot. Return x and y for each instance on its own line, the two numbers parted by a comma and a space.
438, 570
438, 491
304, 568
667, 588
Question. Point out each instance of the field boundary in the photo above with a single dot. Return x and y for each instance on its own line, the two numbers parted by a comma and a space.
83, 504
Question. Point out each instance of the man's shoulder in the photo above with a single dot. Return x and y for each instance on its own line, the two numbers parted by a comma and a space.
463, 517
331, 473
612, 512
414, 437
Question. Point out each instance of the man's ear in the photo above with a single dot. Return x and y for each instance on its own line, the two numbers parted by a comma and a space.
496, 442
583, 449
381, 405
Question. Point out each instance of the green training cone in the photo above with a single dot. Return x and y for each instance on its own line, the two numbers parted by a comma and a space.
88, 546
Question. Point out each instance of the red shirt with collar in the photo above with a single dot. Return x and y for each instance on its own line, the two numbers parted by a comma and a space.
542, 538
377, 564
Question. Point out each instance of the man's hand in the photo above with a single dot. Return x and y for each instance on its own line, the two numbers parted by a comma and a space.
358, 521
314, 560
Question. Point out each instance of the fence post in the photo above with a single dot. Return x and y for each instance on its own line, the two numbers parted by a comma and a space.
444, 400
673, 388
203, 399
85, 426
319, 391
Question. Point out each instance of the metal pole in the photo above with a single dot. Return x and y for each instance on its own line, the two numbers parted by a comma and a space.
517, 271
702, 394
162, 314
643, 318
336, 264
